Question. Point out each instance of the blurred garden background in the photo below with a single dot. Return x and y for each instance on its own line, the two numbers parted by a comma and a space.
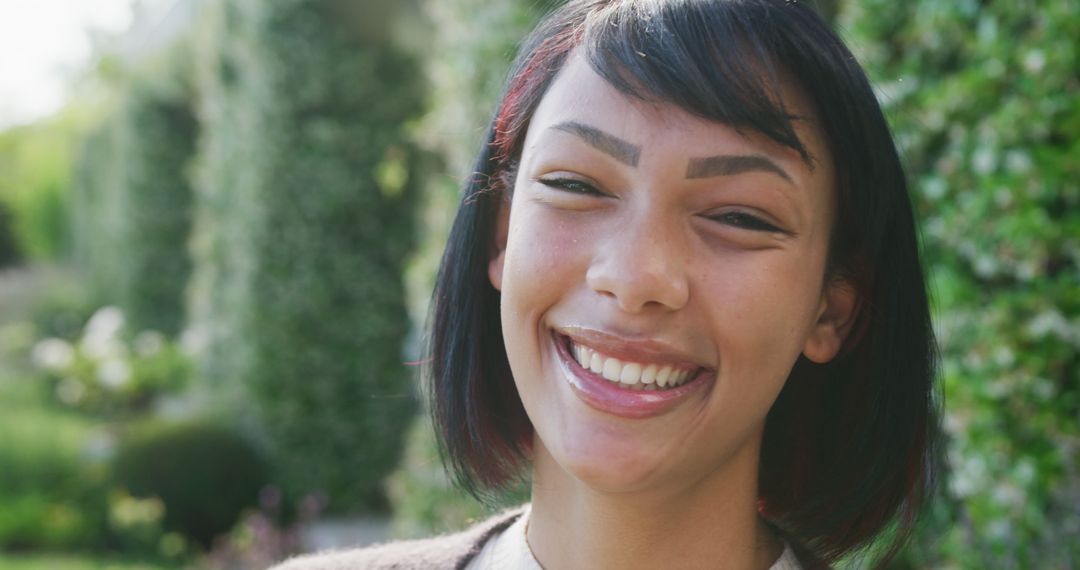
218, 240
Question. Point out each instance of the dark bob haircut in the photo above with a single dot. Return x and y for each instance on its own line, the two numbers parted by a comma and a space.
849, 446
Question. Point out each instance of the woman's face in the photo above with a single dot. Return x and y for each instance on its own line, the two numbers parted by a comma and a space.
660, 275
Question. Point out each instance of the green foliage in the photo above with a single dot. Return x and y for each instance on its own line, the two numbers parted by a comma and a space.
95, 200
61, 305
9, 249
157, 141
986, 102
76, 562
132, 197
203, 475
104, 372
305, 215
49, 482
34, 177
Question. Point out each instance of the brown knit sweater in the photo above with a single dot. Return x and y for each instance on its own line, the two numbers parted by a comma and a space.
451, 551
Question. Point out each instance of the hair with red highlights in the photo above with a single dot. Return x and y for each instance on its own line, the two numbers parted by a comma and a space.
849, 450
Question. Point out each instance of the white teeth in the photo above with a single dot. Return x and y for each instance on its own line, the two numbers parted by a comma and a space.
662, 376
648, 376
630, 374
596, 363
612, 367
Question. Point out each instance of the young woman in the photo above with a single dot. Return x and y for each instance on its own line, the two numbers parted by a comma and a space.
683, 292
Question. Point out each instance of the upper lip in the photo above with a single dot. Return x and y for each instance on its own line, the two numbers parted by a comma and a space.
629, 348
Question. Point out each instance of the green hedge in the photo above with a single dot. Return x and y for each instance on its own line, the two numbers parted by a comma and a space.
984, 98
132, 197
51, 489
96, 215
304, 216
34, 178
156, 143
9, 248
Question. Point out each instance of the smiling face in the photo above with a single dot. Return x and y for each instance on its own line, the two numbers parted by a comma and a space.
660, 274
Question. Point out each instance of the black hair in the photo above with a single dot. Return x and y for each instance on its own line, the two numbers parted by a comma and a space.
849, 449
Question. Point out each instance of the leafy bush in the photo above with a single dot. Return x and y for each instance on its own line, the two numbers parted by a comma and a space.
9, 249
204, 475
131, 193
156, 143
137, 527
62, 306
103, 372
95, 199
50, 483
304, 217
983, 97
34, 177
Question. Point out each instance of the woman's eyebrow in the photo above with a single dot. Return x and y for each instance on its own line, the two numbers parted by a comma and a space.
732, 164
619, 149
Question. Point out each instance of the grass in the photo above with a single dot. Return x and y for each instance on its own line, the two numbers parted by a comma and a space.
72, 562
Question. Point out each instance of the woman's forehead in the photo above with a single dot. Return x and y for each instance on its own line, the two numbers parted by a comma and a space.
581, 102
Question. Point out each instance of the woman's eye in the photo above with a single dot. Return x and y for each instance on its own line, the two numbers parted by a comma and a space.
745, 221
569, 185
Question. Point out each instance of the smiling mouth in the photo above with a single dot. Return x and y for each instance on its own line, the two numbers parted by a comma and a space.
629, 374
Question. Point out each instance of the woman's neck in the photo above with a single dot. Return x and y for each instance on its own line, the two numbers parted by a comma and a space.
709, 523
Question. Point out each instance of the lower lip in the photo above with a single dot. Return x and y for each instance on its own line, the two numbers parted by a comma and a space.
606, 396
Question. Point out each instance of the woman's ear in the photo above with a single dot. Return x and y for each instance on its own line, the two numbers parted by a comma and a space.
836, 315
498, 246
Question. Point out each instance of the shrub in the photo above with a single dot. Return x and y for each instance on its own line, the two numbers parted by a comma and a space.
204, 475
105, 373
95, 199
34, 178
156, 143
304, 217
131, 192
62, 304
51, 487
983, 97
9, 250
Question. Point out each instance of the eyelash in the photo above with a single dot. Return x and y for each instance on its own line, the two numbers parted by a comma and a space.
742, 220
746, 221
570, 185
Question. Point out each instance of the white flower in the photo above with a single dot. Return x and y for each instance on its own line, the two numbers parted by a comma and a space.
113, 373
107, 321
193, 341
1034, 61
102, 347
100, 446
149, 343
52, 354
983, 161
70, 391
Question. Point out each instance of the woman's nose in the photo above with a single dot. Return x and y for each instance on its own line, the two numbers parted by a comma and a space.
640, 267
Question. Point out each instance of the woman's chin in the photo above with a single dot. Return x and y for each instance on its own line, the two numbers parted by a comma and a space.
605, 465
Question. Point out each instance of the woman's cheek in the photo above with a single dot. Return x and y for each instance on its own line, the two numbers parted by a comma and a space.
542, 249
760, 295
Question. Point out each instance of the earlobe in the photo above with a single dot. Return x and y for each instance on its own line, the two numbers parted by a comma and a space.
836, 315
498, 249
